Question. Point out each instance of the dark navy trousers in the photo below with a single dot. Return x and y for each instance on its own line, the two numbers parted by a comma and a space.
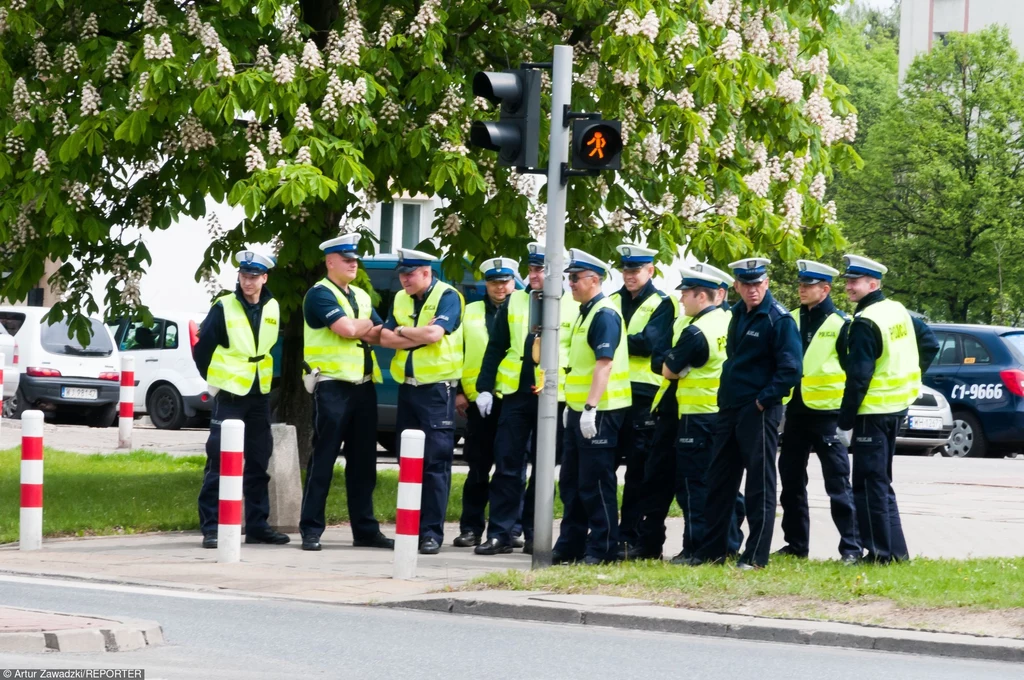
659, 477
637, 440
343, 414
430, 408
254, 411
478, 452
817, 432
878, 516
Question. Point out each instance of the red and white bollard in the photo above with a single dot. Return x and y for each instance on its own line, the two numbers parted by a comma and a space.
31, 527
410, 491
229, 512
127, 408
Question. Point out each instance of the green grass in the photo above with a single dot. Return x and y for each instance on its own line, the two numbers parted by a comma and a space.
975, 583
141, 491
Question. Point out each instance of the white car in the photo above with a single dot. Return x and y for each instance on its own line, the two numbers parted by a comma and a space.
12, 377
168, 385
927, 425
59, 375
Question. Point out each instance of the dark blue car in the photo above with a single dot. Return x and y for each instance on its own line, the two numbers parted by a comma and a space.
980, 370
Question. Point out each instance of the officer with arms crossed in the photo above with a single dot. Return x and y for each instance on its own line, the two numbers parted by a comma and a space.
499, 275
811, 418
888, 352
510, 369
763, 365
597, 395
648, 314
233, 355
340, 325
425, 327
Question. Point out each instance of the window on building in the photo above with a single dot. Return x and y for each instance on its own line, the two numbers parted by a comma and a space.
410, 225
387, 226
400, 232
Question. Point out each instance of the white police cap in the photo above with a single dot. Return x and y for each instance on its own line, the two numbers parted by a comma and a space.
692, 278
254, 263
409, 259
583, 261
345, 245
751, 269
536, 252
705, 268
633, 256
810, 271
858, 266
499, 269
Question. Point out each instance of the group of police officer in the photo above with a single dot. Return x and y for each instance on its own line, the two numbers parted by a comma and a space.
687, 393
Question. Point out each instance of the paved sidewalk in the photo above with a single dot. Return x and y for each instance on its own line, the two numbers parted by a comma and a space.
82, 439
31, 631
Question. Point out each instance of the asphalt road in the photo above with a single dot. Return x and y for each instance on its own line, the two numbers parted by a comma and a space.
220, 637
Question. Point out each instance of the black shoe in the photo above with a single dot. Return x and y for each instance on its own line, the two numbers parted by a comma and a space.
467, 539
850, 560
792, 552
209, 540
682, 559
747, 566
519, 541
492, 546
266, 536
429, 546
311, 543
528, 547
378, 541
592, 561
559, 558
636, 552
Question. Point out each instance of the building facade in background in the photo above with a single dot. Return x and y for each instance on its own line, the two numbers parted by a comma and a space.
924, 23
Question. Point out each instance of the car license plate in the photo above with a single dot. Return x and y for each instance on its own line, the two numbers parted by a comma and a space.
921, 423
78, 393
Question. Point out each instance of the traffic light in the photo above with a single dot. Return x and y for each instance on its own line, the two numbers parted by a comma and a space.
596, 144
516, 135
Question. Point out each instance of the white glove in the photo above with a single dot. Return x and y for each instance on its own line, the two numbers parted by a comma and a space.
565, 417
484, 403
211, 390
309, 380
588, 423
845, 437
683, 373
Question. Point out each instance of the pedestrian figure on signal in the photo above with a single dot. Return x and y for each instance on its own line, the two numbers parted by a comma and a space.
888, 352
425, 329
233, 355
811, 417
340, 325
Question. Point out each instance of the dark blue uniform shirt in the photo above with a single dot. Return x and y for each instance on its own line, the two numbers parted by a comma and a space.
213, 332
764, 357
865, 347
320, 309
605, 330
448, 316
810, 321
659, 327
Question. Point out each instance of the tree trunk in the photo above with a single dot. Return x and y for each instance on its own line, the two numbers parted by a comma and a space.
295, 405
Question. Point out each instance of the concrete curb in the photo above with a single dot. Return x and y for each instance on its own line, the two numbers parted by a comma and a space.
109, 636
641, 615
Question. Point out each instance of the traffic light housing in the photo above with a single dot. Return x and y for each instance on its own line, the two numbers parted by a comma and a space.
516, 134
596, 144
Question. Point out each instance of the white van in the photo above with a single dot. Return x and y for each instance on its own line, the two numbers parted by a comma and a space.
168, 385
59, 375
12, 377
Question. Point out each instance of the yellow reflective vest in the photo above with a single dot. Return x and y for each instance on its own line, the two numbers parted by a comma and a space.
233, 369
511, 366
897, 378
474, 336
640, 366
438, 362
337, 357
824, 380
582, 362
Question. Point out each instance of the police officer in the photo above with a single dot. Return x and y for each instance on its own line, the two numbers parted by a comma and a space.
598, 397
340, 325
510, 369
425, 328
233, 355
811, 418
478, 450
723, 287
888, 352
763, 365
648, 314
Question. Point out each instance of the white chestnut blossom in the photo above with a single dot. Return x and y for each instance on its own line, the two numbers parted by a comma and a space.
829, 212
353, 41
452, 225
138, 94
793, 209
311, 57
618, 220
674, 50
117, 62
90, 100
797, 165
628, 23
151, 17
274, 145
389, 112
817, 188
264, 61
225, 67
728, 204
303, 157
91, 28
652, 146
60, 123
330, 108
759, 182
789, 88
760, 154
588, 78
683, 99
153, 51
727, 147
850, 128
352, 93
627, 78
717, 12
691, 36
425, 18
253, 132
76, 194
22, 100
254, 160
690, 158
731, 48
131, 295
284, 71
18, 5
303, 119
650, 25
41, 58
3, 20
40, 162
819, 108
816, 65
194, 137
691, 206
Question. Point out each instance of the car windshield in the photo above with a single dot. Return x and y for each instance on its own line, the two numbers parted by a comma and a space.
1016, 343
55, 340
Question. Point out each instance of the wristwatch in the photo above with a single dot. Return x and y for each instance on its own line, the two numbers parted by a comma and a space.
398, 331
588, 407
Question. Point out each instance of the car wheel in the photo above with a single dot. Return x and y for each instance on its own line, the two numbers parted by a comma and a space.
104, 416
14, 406
967, 440
165, 408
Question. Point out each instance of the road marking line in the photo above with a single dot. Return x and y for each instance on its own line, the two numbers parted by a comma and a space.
140, 590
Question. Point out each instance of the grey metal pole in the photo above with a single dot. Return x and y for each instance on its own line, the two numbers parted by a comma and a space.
547, 411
